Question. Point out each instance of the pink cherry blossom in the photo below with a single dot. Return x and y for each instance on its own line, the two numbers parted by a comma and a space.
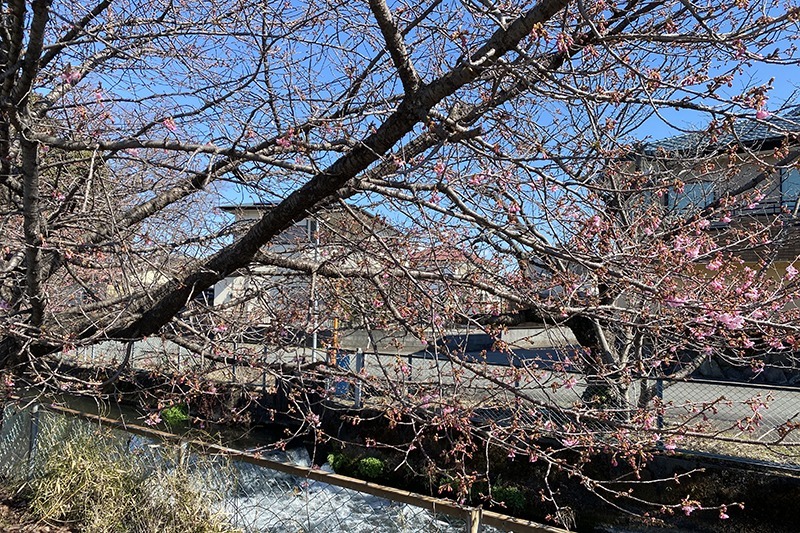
791, 272
169, 123
595, 222
675, 301
730, 320
776, 343
755, 202
71, 76
477, 179
714, 264
563, 42
761, 114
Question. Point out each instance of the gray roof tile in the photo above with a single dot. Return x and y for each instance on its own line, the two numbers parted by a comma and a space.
747, 133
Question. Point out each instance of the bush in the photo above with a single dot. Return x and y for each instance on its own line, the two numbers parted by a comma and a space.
366, 468
175, 415
512, 497
339, 462
370, 468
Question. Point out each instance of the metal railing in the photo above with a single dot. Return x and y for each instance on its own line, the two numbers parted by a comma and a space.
750, 422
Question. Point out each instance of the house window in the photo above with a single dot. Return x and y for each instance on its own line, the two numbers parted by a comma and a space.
205, 297
790, 187
297, 234
695, 196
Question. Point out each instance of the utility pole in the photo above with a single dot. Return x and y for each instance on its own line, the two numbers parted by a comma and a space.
313, 228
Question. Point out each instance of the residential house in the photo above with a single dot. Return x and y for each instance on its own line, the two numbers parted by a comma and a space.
450, 263
759, 161
350, 237
343, 236
759, 158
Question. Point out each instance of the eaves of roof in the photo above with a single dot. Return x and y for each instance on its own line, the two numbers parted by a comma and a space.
747, 134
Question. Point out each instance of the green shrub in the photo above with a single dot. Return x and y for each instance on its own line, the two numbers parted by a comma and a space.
343, 464
512, 497
365, 468
175, 415
370, 468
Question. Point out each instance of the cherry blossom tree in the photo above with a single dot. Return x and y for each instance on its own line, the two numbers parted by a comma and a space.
518, 137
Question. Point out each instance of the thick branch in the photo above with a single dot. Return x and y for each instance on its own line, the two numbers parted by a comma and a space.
11, 44
30, 66
150, 315
33, 229
396, 46
76, 30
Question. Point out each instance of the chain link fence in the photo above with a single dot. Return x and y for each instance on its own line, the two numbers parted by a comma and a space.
756, 423
739, 418
276, 492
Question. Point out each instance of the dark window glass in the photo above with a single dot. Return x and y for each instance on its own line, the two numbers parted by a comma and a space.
790, 187
695, 196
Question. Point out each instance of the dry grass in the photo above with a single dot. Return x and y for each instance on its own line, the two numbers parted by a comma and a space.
94, 484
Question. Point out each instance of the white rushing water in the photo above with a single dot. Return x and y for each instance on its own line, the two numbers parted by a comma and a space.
253, 498
258, 499
266, 500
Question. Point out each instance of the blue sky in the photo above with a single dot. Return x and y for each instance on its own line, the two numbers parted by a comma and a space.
784, 92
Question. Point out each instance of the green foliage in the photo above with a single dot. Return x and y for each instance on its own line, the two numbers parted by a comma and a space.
340, 463
365, 467
97, 486
512, 497
175, 415
370, 468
